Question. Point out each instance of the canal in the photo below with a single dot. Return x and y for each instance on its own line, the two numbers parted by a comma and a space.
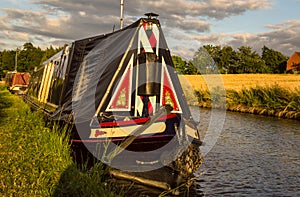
244, 155
253, 156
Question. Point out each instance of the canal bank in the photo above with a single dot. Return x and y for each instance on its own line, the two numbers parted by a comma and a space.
275, 95
268, 101
265, 112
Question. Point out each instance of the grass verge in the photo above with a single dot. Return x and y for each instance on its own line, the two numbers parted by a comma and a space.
35, 160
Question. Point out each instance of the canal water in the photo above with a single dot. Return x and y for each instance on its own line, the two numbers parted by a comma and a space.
248, 155
253, 156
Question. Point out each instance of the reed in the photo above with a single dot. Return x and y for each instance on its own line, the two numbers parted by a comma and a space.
36, 160
272, 101
264, 94
263, 100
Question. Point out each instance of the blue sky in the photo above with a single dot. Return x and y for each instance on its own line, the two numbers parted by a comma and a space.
254, 21
187, 24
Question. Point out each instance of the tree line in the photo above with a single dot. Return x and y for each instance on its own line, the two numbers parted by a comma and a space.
226, 60
25, 59
207, 59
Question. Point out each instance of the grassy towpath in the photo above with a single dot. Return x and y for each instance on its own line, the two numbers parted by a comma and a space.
35, 160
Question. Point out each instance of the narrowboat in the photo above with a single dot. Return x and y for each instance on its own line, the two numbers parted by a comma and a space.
17, 82
122, 94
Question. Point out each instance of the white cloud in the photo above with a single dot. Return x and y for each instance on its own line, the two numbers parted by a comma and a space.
81, 13
186, 23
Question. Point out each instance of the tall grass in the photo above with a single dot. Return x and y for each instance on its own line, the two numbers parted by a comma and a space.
270, 100
36, 160
216, 97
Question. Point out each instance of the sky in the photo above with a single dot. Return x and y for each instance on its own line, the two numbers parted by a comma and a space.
187, 24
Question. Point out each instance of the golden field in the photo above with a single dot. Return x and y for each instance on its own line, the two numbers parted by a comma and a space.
241, 81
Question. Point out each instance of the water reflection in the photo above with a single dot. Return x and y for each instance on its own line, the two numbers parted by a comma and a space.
254, 156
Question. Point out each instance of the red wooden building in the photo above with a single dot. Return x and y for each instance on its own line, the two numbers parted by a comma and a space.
293, 64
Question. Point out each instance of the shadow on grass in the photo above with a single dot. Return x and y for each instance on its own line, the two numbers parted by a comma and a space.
86, 176
4, 102
96, 182
85, 182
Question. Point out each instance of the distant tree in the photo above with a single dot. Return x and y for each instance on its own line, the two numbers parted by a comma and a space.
250, 61
244, 54
275, 61
29, 57
1, 67
243, 60
227, 61
7, 62
49, 52
213, 51
203, 60
184, 67
191, 69
179, 64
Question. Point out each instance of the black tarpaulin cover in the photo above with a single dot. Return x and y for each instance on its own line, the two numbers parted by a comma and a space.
97, 64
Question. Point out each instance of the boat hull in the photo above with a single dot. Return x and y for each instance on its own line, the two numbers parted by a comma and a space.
161, 169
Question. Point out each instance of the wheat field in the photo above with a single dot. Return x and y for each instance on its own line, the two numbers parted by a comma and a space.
240, 81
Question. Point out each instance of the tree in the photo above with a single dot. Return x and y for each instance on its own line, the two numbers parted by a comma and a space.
190, 69
203, 60
250, 61
243, 60
184, 67
49, 52
215, 54
7, 62
275, 61
228, 60
179, 64
213, 51
29, 57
